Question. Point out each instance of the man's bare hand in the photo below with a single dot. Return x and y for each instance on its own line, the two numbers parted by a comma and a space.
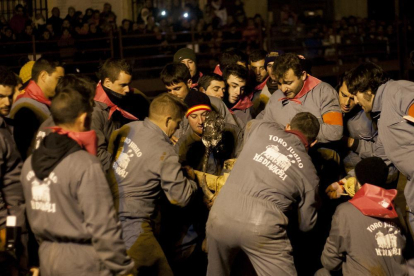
174, 140
189, 172
336, 189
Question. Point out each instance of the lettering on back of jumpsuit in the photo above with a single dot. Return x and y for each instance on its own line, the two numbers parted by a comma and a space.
41, 199
125, 153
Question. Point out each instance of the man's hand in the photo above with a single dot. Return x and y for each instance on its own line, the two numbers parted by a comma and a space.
350, 142
174, 139
336, 189
189, 172
34, 271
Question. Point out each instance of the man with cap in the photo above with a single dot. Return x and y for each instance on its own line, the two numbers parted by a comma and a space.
144, 171
366, 237
31, 108
272, 175
190, 147
177, 80
187, 57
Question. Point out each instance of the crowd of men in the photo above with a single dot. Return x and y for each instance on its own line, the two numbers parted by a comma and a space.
257, 168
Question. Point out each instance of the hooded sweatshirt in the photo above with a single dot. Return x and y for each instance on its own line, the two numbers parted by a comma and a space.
69, 201
365, 237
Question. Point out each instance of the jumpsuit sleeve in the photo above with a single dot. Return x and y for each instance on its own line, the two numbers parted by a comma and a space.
102, 145
11, 187
332, 123
309, 204
178, 189
334, 251
96, 203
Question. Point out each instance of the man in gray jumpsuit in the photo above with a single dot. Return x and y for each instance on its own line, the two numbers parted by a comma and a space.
69, 203
301, 92
392, 101
145, 168
272, 174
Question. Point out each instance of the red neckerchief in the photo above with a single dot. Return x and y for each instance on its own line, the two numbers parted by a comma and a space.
217, 70
308, 85
302, 137
33, 91
103, 98
375, 201
260, 86
85, 139
242, 104
196, 84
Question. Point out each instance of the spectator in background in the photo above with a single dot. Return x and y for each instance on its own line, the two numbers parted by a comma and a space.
71, 15
40, 22
88, 15
55, 21
220, 11
19, 20
126, 26
152, 10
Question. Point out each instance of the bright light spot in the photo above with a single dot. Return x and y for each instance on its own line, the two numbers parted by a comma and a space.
163, 13
186, 14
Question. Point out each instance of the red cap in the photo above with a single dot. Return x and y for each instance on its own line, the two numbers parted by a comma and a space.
375, 201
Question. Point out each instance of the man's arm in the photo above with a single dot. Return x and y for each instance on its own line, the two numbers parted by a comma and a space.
102, 153
96, 203
178, 189
332, 122
26, 124
333, 253
309, 202
11, 187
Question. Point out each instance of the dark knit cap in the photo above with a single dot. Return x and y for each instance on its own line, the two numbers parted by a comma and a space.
184, 53
196, 101
270, 57
372, 170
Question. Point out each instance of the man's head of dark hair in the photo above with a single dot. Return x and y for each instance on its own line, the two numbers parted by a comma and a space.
237, 71
74, 96
7, 77
232, 56
44, 64
206, 80
372, 170
174, 73
112, 67
257, 55
285, 62
366, 77
344, 78
307, 124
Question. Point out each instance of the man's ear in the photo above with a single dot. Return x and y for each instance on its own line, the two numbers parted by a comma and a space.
42, 76
107, 82
314, 143
288, 127
304, 75
189, 83
168, 121
201, 89
83, 122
